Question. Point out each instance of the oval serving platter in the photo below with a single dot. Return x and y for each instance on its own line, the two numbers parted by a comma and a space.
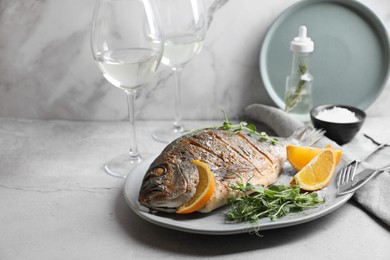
213, 223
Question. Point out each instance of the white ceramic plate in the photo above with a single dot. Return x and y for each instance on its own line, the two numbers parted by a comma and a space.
214, 223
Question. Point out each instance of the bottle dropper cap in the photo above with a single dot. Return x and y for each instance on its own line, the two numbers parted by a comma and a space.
302, 43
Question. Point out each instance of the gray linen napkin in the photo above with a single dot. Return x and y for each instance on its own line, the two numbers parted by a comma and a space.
374, 196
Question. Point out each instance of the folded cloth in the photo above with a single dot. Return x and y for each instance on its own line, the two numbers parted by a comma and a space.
374, 196
278, 120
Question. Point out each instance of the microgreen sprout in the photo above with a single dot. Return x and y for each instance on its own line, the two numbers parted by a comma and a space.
249, 129
273, 202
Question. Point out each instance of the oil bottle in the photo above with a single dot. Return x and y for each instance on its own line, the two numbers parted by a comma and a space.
298, 94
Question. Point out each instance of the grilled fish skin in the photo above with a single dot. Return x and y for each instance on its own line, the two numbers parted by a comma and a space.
171, 179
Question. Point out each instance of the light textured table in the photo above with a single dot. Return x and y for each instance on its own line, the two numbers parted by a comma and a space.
56, 202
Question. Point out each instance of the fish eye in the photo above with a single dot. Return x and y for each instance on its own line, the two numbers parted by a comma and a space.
156, 171
159, 171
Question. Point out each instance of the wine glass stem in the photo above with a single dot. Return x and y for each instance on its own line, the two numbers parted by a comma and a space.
177, 92
133, 152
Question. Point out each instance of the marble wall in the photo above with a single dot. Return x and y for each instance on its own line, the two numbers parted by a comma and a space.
47, 70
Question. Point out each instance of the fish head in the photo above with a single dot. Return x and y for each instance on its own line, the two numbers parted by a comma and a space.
168, 184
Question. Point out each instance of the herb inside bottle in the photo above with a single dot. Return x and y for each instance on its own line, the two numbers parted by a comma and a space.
298, 95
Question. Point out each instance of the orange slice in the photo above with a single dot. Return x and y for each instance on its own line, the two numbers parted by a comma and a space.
337, 153
299, 156
204, 190
318, 172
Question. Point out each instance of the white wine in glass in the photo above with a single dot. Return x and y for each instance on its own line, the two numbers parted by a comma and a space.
185, 25
127, 45
180, 49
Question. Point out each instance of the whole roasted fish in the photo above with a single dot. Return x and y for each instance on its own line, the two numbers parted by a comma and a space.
171, 179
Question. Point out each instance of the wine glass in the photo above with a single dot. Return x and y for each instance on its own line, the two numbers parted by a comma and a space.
185, 25
127, 45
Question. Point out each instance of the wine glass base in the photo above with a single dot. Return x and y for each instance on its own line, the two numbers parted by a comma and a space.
168, 134
122, 165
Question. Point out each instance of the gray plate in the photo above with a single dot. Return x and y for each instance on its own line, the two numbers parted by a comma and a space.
213, 223
350, 62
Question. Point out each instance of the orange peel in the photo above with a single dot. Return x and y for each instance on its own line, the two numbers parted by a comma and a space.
204, 190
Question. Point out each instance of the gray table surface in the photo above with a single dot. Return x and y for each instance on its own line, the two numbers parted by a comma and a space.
56, 202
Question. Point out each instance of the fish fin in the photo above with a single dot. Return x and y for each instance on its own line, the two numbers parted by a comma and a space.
305, 136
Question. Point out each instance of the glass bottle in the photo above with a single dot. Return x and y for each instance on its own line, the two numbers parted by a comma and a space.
298, 95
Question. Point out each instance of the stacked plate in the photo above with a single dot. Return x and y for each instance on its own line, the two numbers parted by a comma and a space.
350, 62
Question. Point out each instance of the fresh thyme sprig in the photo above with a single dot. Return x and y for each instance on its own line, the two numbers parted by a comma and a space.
273, 202
294, 97
250, 130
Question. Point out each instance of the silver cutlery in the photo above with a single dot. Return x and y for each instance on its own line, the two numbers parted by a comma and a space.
347, 174
361, 178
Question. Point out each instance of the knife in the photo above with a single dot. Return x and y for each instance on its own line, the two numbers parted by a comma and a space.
360, 179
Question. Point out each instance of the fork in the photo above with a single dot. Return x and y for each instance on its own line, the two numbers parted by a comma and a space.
348, 172
367, 174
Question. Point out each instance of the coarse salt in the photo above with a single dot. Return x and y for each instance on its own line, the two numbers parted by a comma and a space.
337, 115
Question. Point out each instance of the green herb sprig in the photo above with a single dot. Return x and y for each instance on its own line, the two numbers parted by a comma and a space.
273, 202
294, 98
250, 130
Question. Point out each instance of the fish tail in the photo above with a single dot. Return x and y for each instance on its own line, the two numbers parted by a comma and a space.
305, 136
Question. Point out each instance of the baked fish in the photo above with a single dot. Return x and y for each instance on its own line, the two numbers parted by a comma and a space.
171, 179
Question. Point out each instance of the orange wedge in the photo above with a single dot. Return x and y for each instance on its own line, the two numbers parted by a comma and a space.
299, 156
204, 190
317, 173
337, 153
